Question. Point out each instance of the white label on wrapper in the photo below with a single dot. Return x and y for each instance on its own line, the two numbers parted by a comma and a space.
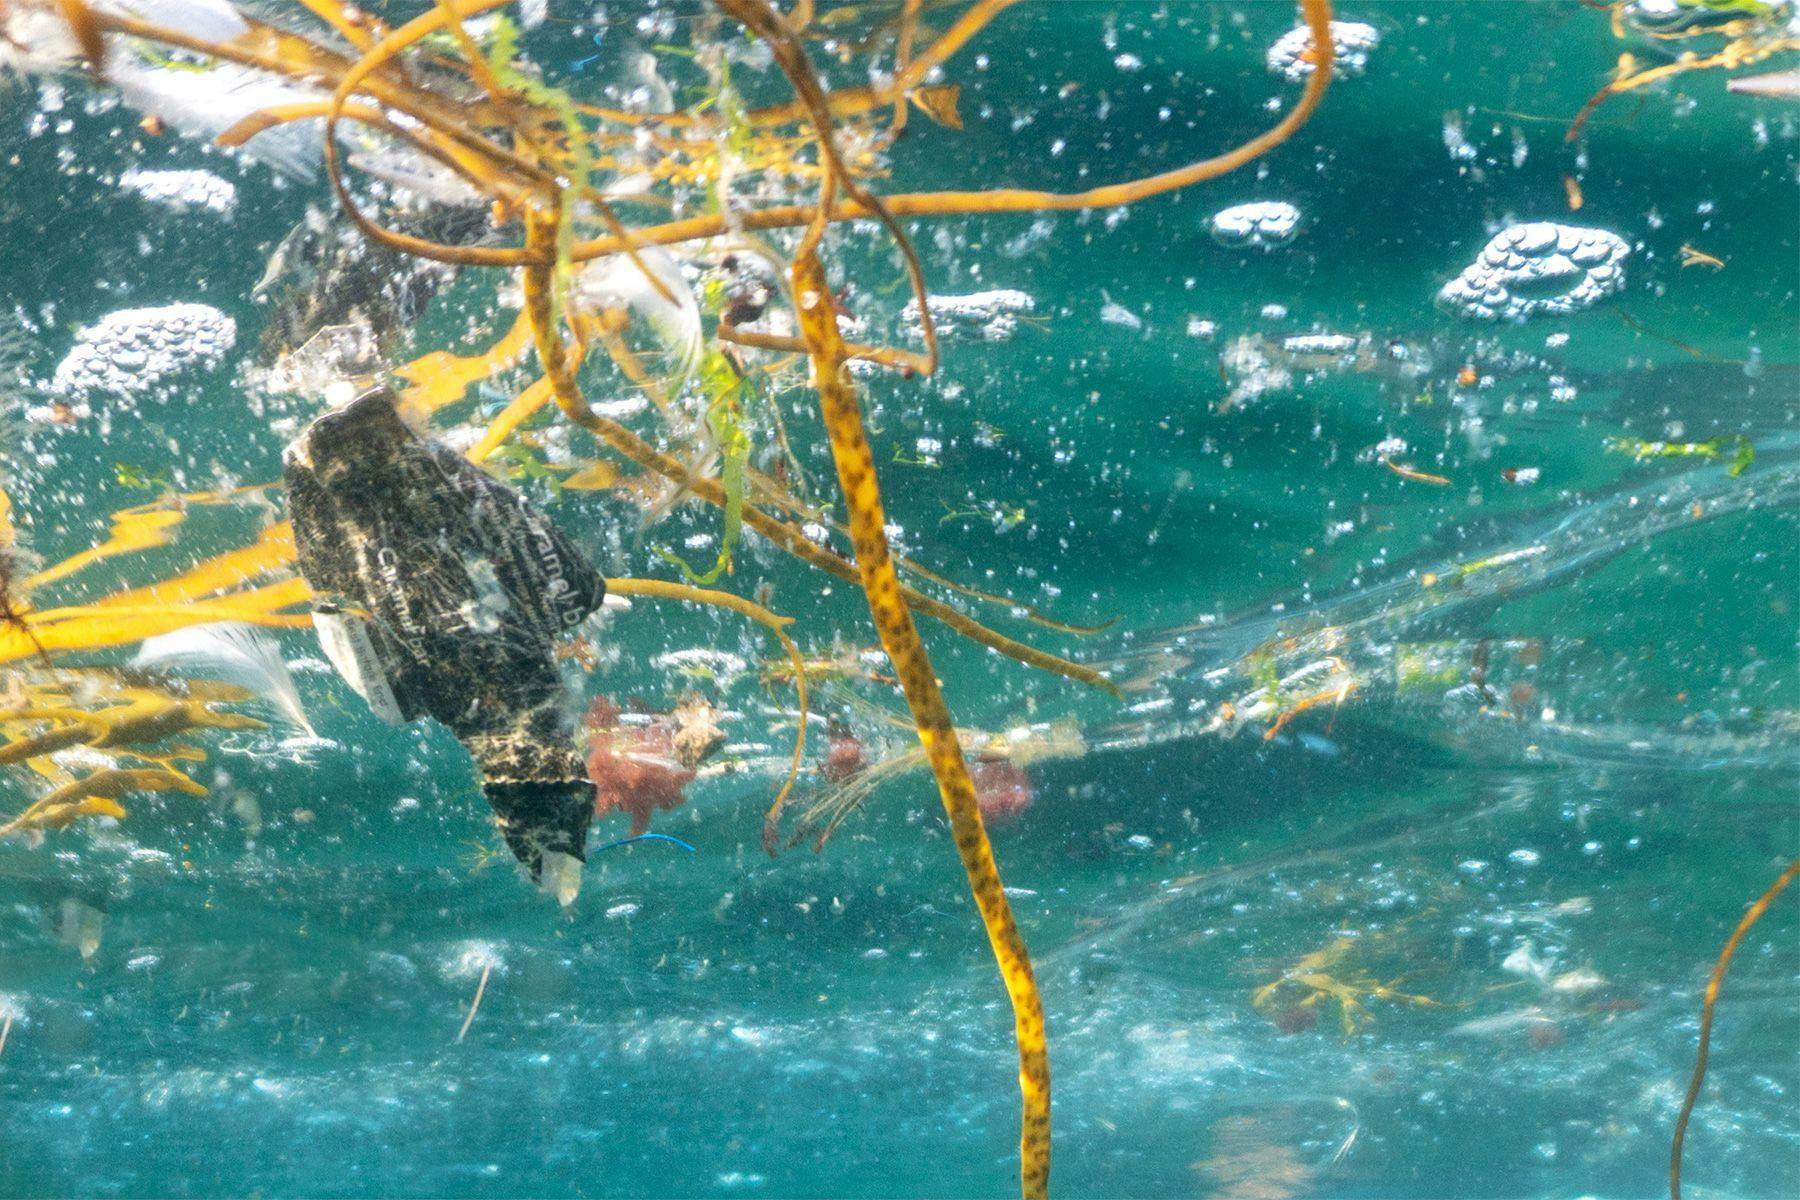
346, 642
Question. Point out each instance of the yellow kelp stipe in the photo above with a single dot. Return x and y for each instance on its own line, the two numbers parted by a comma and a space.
523, 407
1713, 983
937, 733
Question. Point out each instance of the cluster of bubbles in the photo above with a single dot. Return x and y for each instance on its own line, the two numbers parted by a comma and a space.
1262, 224
1351, 42
130, 352
1536, 269
993, 316
198, 190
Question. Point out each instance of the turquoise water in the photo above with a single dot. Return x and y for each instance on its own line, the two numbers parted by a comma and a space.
273, 1006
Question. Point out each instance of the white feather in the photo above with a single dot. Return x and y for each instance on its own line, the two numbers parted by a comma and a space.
233, 653
615, 281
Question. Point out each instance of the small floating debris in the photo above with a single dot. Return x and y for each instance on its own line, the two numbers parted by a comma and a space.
1536, 269
1114, 313
1251, 371
1519, 1020
130, 351
1325, 351
1577, 981
1775, 85
1261, 224
702, 662
1292, 56
182, 189
1691, 257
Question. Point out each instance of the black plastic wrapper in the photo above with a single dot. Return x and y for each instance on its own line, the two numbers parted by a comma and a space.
466, 587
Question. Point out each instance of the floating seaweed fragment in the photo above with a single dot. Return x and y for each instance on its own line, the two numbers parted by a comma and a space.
632, 764
113, 712
1738, 450
1690, 257
96, 795
1742, 32
112, 717
1321, 976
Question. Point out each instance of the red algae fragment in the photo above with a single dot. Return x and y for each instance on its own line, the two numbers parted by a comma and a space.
633, 766
1002, 789
844, 756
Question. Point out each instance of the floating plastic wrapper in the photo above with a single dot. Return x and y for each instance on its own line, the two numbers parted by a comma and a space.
440, 592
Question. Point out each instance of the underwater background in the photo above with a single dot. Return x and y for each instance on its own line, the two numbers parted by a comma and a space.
271, 1001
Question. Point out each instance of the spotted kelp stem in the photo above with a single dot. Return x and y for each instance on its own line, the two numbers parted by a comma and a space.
937, 732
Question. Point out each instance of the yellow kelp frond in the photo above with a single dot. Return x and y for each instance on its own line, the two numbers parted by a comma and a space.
97, 626
143, 717
523, 407
272, 551
116, 717
145, 527
96, 795
134, 529
440, 379
50, 813
67, 727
